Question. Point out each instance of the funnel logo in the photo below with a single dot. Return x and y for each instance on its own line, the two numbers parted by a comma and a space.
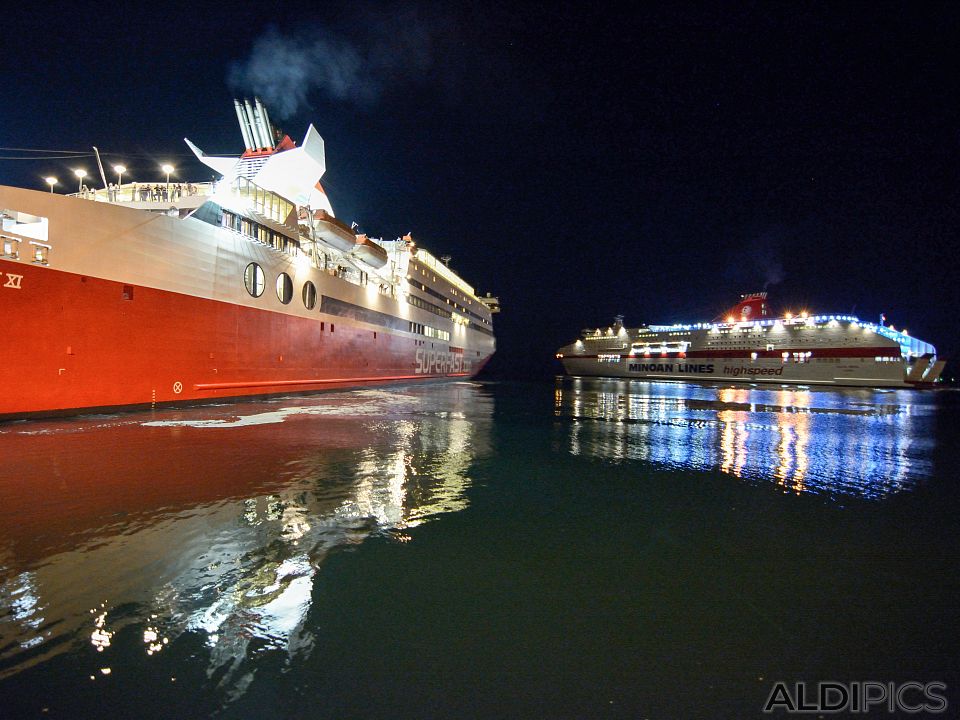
857, 697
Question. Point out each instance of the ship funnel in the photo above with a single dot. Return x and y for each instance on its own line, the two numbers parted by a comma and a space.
255, 125
752, 306
267, 125
262, 120
245, 128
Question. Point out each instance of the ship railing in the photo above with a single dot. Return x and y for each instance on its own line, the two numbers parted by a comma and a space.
147, 195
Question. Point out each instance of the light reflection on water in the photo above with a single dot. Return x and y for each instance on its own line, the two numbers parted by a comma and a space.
865, 443
214, 520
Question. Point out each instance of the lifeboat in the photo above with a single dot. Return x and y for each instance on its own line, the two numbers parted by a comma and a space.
333, 232
369, 252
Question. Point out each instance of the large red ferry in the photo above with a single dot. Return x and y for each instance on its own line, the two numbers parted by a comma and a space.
750, 344
148, 294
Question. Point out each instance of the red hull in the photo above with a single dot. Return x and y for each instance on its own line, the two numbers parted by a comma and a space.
73, 342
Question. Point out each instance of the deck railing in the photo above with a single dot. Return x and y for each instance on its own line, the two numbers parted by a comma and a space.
158, 193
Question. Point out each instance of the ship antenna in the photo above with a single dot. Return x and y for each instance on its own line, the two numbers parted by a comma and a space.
100, 165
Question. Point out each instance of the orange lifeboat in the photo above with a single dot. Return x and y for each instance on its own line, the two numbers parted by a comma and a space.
369, 252
333, 232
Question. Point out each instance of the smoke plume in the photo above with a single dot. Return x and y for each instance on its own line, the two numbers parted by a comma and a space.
356, 64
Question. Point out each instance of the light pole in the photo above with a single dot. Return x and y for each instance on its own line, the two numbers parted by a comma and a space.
51, 181
81, 174
119, 170
167, 168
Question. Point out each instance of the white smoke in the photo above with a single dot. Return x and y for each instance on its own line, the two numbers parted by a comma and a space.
389, 50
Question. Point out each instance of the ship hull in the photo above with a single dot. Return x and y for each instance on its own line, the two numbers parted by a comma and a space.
846, 369
74, 343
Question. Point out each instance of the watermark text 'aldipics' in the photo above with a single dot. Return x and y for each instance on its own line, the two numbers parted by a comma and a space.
857, 697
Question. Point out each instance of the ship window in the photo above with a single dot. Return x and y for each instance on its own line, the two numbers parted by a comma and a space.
253, 279
309, 295
40, 253
11, 247
284, 288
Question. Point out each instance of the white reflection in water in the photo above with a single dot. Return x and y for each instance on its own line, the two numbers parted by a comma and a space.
241, 570
864, 443
20, 606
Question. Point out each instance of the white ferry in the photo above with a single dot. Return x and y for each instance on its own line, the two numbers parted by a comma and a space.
749, 345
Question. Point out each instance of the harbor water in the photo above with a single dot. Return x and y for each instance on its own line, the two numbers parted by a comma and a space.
575, 548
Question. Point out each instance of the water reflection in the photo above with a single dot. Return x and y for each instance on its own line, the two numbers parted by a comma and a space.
215, 521
865, 443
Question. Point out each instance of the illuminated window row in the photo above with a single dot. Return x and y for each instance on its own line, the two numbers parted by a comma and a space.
266, 203
430, 332
441, 296
259, 233
419, 302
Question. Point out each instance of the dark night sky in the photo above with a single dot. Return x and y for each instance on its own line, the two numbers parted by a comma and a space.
576, 161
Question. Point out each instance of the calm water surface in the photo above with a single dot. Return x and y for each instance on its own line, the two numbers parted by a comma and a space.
576, 549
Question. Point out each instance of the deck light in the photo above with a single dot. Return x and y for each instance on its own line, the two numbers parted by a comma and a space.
81, 174
51, 181
168, 169
119, 170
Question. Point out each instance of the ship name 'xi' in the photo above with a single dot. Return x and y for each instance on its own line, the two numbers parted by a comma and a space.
141, 294
747, 344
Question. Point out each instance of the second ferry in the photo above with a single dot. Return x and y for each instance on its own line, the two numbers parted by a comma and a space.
748, 344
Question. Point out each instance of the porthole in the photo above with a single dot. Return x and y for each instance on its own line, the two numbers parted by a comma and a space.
253, 279
309, 295
284, 288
